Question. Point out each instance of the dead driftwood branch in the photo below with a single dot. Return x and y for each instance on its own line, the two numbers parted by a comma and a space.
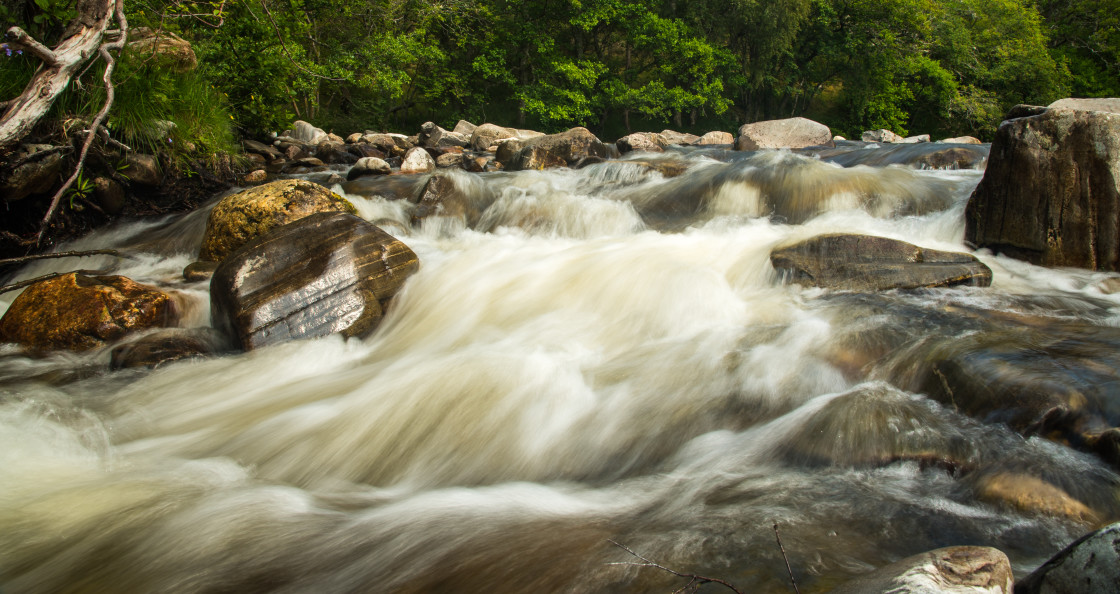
33, 257
694, 580
27, 283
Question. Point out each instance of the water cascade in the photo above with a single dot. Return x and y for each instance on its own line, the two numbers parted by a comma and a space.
595, 355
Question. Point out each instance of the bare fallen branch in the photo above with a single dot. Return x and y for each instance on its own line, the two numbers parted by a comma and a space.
20, 39
695, 581
79, 254
27, 283
783, 550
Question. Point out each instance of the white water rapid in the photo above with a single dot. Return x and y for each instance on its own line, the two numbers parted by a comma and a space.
607, 355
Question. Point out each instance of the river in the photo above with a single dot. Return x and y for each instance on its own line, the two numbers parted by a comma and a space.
606, 354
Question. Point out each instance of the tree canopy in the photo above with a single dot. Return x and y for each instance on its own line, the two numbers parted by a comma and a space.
914, 66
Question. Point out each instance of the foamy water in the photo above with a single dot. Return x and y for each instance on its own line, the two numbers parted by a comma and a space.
606, 355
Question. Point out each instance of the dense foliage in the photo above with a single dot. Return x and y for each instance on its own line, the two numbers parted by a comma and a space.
914, 66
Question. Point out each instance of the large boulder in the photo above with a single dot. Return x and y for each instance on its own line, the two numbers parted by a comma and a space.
256, 211
789, 133
488, 135
464, 127
306, 133
433, 136
552, 150
442, 197
961, 570
1090, 564
326, 273
164, 47
1110, 105
1051, 191
868, 263
646, 142
79, 312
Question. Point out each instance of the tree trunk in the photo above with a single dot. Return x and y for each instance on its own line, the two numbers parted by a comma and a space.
80, 44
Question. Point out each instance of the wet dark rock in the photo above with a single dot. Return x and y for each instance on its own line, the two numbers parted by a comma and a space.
553, 150
110, 195
335, 153
362, 150
326, 273
962, 569
143, 170
267, 151
1051, 193
867, 263
788, 133
441, 196
78, 312
240, 217
167, 346
36, 176
1091, 564
199, 271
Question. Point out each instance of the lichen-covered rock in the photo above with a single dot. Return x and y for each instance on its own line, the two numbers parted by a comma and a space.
256, 211
961, 570
788, 133
417, 160
78, 312
326, 273
1051, 191
1091, 564
868, 263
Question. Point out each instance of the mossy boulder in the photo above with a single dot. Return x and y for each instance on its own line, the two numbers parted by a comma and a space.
254, 212
78, 312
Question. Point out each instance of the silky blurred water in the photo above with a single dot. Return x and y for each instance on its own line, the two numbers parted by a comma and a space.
606, 354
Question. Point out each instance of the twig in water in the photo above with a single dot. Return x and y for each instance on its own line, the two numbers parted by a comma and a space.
695, 581
783, 550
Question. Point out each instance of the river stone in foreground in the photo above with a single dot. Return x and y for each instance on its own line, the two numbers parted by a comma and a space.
789, 133
243, 216
1091, 564
79, 312
1051, 191
962, 570
868, 263
326, 273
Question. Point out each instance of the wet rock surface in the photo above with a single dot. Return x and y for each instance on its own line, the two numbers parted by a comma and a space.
326, 273
78, 312
167, 346
867, 263
553, 150
1051, 192
1090, 564
256, 211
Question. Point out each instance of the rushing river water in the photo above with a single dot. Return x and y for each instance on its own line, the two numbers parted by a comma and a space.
606, 354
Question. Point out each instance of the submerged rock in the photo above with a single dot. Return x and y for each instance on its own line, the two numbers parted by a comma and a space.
166, 346
326, 273
256, 211
868, 263
964, 569
1090, 564
789, 133
79, 312
1051, 191
441, 196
